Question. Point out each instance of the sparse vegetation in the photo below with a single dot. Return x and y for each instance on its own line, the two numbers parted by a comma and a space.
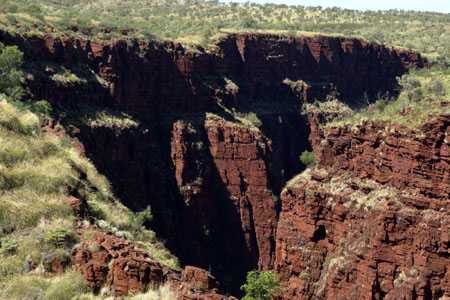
307, 158
424, 94
11, 75
261, 285
66, 78
330, 110
109, 119
163, 292
250, 117
206, 21
401, 278
65, 287
39, 171
360, 193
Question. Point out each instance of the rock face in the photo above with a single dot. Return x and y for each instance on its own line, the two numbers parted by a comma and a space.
222, 172
108, 261
219, 131
371, 221
417, 160
348, 239
167, 78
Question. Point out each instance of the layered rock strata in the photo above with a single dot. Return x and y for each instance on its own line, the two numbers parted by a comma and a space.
413, 159
345, 238
371, 221
108, 261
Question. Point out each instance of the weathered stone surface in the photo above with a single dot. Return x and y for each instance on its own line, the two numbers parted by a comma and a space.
108, 261
416, 160
220, 168
331, 247
371, 221
200, 278
167, 78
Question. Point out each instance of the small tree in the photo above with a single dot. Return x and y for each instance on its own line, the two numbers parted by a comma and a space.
261, 285
307, 158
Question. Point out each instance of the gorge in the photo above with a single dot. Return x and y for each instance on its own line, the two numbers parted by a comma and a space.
211, 141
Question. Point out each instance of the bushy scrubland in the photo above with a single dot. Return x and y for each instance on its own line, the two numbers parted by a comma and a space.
201, 21
423, 94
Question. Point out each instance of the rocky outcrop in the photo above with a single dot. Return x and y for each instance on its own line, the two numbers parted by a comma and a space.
346, 238
221, 170
370, 221
417, 160
107, 261
157, 78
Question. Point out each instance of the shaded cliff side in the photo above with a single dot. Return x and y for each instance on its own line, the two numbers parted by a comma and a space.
218, 131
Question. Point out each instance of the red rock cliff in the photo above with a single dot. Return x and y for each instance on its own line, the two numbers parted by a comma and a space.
213, 184
417, 160
370, 222
344, 238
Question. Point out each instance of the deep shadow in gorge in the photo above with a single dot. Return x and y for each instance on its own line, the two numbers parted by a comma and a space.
212, 182
202, 227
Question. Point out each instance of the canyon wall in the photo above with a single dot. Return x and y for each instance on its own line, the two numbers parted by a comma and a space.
417, 160
370, 221
329, 246
219, 130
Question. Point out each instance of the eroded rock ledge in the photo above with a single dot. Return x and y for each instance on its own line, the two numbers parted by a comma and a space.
417, 160
108, 261
344, 238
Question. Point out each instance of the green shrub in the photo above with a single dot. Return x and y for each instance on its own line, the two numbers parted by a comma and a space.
261, 285
308, 159
61, 238
25, 287
41, 107
276, 199
8, 247
410, 82
380, 104
66, 287
250, 118
416, 94
11, 75
142, 217
20, 121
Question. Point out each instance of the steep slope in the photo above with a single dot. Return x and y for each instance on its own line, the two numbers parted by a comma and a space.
58, 215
